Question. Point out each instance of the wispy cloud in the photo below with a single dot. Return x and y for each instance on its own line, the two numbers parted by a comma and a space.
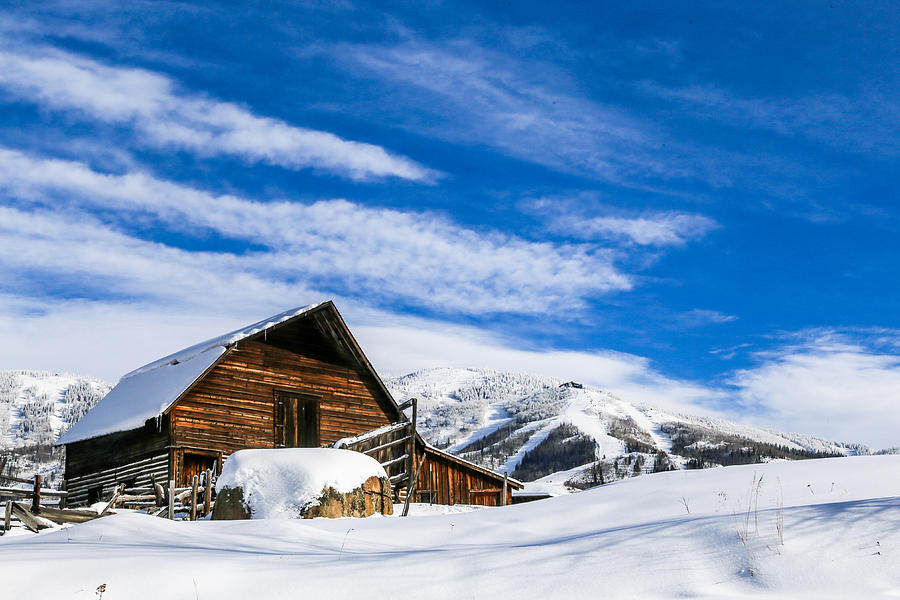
618, 132
415, 258
657, 229
586, 216
699, 317
78, 256
836, 384
165, 116
531, 110
870, 120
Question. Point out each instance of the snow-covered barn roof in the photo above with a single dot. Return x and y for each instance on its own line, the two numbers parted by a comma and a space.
149, 391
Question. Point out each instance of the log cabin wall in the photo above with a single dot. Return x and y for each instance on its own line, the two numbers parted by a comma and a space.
233, 406
446, 480
95, 466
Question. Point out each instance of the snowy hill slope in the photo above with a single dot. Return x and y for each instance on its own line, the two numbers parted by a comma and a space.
557, 435
826, 528
37, 406
535, 427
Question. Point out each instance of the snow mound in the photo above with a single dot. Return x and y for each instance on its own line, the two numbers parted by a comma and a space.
280, 483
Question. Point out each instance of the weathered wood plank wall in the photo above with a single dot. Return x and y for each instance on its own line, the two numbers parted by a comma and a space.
233, 407
444, 480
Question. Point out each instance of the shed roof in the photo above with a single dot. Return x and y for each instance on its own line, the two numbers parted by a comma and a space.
149, 391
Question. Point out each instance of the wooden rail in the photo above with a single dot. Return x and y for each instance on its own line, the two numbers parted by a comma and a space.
165, 501
393, 446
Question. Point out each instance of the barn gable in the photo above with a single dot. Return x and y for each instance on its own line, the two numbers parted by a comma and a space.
150, 391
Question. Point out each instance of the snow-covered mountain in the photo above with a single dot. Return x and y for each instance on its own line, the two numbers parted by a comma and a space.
557, 435
564, 435
36, 407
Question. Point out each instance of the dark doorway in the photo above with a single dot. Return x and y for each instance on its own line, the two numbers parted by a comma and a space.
296, 421
95, 494
193, 463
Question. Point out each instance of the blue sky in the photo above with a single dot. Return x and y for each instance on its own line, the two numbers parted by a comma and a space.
693, 205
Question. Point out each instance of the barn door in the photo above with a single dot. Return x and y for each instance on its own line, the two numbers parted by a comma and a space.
196, 463
296, 421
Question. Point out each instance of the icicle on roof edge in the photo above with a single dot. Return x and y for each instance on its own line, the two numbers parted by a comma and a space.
223, 340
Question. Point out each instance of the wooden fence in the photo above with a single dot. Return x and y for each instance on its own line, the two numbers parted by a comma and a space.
393, 446
44, 505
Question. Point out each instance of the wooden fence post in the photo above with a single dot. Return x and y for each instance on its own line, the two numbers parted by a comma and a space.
207, 493
7, 516
112, 501
412, 445
171, 498
505, 484
194, 483
63, 499
36, 496
411, 489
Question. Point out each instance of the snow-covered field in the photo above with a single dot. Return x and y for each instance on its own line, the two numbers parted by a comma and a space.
826, 528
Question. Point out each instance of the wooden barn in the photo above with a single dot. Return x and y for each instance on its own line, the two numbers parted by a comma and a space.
298, 379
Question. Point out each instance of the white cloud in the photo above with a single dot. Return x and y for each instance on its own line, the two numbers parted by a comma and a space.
828, 384
414, 258
398, 346
699, 317
659, 229
78, 256
471, 92
166, 117
107, 339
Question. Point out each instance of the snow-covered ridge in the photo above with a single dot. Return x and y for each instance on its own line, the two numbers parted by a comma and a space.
500, 419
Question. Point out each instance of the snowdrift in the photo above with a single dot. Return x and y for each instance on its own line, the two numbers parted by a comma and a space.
825, 528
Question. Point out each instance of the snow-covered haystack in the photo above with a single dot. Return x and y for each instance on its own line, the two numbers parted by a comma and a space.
301, 483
